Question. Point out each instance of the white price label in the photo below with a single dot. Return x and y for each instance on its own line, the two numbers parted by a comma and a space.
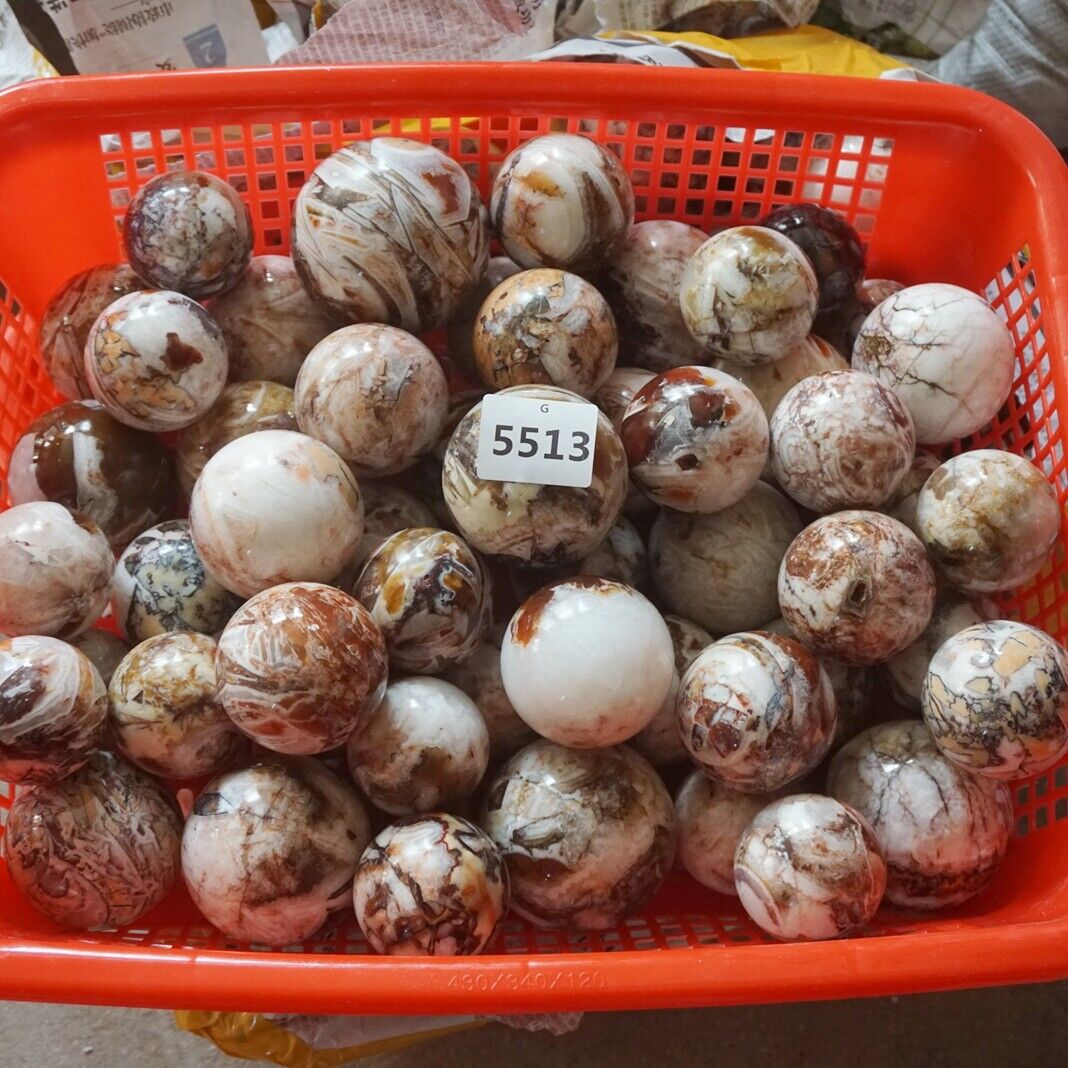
543, 441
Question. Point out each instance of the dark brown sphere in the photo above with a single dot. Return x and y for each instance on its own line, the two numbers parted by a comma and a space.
78, 456
70, 314
832, 245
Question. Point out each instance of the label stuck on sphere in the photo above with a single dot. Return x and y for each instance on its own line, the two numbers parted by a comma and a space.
543, 441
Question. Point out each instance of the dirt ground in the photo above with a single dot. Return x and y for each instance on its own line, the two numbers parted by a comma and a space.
1017, 1025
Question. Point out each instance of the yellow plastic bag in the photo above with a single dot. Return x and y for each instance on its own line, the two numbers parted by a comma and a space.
250, 1036
804, 50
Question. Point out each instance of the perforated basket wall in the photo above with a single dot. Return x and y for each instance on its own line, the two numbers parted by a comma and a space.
944, 186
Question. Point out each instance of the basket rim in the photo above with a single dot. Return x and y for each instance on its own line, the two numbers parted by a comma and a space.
432, 88
218, 980
136, 94
123, 974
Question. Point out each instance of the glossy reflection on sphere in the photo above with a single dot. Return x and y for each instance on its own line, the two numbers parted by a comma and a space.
98, 849
424, 746
273, 507
946, 354
479, 676
375, 395
53, 709
712, 820
242, 408
545, 327
525, 522
659, 742
55, 570
833, 247
770, 382
561, 200
696, 439
857, 586
810, 868
188, 231
271, 322
641, 283
749, 294
942, 830
587, 662
434, 885
156, 361
79, 456
165, 713
269, 852
430, 595
588, 834
995, 699
161, 585
70, 314
841, 440
300, 666
756, 711
390, 230
989, 519
952, 613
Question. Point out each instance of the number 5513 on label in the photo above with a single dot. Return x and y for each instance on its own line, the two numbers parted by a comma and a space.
548, 442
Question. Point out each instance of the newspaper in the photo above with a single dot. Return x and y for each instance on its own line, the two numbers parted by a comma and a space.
18, 61
364, 31
120, 35
1018, 53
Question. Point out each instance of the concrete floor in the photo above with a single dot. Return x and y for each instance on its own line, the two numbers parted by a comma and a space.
973, 1029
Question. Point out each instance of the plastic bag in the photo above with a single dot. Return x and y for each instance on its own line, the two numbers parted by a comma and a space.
727, 18
314, 1041
905, 27
807, 49
19, 61
1019, 53
327, 1041
364, 31
297, 15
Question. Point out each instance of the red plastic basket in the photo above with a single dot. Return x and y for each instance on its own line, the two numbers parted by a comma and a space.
945, 184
